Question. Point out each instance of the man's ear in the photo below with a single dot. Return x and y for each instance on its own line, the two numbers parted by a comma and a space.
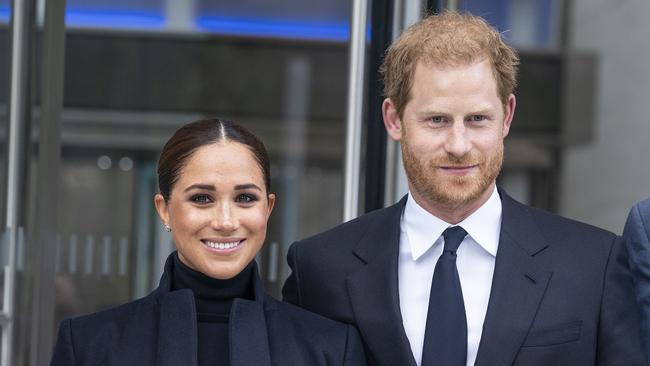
509, 113
392, 121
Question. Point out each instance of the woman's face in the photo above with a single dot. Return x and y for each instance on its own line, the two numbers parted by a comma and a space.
218, 209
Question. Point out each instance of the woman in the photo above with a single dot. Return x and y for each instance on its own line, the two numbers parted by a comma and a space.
210, 307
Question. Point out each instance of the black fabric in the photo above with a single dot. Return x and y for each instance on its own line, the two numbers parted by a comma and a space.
213, 344
161, 330
445, 336
561, 291
213, 298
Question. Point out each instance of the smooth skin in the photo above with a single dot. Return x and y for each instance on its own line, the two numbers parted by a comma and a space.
218, 209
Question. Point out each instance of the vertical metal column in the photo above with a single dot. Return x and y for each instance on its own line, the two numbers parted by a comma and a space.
396, 182
355, 109
47, 181
19, 105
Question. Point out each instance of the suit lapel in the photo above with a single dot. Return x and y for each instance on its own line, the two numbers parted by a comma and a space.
518, 286
177, 329
373, 291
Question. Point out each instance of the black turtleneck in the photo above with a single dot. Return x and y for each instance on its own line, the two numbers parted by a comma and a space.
213, 300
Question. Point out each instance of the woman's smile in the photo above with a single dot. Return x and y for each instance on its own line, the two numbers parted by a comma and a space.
223, 246
218, 209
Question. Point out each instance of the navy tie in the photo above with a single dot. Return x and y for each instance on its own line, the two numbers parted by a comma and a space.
445, 337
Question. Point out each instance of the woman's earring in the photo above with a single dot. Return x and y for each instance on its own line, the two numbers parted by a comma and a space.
167, 228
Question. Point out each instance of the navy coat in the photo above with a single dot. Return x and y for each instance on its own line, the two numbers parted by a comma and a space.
561, 292
637, 235
161, 329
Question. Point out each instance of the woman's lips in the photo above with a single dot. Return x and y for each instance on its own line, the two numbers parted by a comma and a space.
222, 246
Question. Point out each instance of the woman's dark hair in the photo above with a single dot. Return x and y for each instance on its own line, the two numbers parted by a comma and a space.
203, 132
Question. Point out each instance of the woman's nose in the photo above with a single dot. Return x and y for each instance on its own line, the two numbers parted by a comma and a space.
225, 219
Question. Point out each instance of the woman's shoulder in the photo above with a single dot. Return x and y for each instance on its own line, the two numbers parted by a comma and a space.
116, 315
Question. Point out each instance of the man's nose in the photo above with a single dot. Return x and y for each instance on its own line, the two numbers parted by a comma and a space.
457, 142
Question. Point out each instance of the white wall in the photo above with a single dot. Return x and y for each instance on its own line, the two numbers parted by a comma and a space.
601, 181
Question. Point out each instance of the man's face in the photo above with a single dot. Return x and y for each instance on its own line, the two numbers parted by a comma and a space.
451, 133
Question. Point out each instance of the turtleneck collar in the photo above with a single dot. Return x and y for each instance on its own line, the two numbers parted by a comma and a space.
207, 288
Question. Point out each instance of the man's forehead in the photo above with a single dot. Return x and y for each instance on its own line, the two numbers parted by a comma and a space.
450, 61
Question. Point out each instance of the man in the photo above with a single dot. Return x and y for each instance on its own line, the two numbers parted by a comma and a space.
637, 235
457, 272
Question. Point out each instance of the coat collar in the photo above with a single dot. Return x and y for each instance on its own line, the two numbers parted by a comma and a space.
177, 325
518, 285
373, 290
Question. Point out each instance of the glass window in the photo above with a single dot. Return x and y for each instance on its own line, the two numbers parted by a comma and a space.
524, 23
120, 14
5, 13
125, 94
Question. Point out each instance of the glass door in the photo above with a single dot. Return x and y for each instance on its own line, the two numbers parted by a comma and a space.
134, 71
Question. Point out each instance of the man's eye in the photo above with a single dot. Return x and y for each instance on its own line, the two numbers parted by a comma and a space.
201, 198
437, 119
246, 198
477, 118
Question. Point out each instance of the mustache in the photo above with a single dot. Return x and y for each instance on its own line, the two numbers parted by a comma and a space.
457, 162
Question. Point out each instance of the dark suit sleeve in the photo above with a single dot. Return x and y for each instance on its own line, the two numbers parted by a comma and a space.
64, 350
619, 335
354, 355
291, 288
637, 238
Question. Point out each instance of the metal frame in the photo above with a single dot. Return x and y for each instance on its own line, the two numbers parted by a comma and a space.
356, 78
49, 162
384, 15
22, 20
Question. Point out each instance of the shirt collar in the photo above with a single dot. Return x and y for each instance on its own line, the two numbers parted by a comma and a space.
424, 229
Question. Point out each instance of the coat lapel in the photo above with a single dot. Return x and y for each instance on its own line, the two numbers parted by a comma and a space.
373, 291
249, 343
177, 326
518, 286
177, 329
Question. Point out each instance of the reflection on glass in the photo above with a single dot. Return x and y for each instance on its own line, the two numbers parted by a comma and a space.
292, 19
524, 23
125, 94
5, 12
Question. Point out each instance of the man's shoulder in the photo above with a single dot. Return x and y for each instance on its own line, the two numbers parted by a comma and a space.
644, 207
638, 220
290, 315
352, 231
560, 228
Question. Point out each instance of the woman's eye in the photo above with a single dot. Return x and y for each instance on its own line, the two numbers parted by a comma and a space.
201, 198
477, 118
246, 198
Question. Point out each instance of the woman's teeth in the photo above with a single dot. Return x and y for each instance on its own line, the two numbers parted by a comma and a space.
215, 245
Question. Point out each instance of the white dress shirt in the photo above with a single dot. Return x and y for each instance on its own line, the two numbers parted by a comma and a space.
421, 245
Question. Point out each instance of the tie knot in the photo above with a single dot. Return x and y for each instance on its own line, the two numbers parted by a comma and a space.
453, 235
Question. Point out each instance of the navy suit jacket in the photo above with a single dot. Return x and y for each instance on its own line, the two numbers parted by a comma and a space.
161, 329
637, 235
561, 292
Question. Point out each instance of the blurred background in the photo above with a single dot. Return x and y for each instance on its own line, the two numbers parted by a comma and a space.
91, 89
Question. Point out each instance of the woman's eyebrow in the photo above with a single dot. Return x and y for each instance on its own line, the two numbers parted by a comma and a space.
208, 187
247, 186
